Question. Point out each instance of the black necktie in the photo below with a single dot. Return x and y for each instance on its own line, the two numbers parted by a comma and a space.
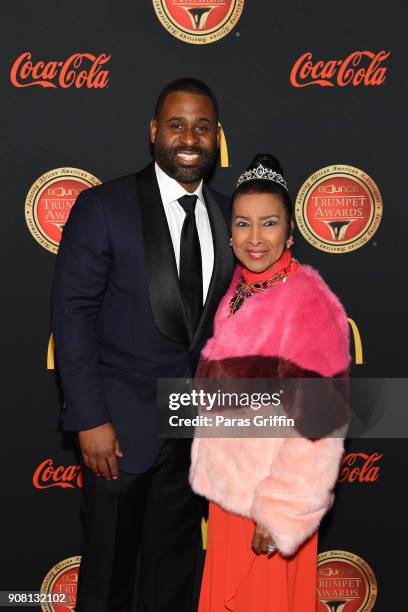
191, 274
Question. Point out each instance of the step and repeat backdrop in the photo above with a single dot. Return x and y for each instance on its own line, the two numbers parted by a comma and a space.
318, 85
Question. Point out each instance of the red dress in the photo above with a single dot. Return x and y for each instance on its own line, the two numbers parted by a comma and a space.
236, 579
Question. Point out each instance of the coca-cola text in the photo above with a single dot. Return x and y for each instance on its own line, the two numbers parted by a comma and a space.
47, 475
79, 70
360, 467
358, 68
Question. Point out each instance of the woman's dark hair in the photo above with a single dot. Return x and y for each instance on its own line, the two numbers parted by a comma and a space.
267, 186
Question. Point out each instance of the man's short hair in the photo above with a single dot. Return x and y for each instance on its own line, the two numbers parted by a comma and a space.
188, 85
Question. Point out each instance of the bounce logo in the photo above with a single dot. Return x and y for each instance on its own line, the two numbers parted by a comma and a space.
49, 202
338, 209
198, 21
345, 583
59, 587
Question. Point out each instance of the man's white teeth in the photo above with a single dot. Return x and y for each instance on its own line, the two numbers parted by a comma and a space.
187, 156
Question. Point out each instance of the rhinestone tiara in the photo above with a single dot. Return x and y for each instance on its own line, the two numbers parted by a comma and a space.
263, 174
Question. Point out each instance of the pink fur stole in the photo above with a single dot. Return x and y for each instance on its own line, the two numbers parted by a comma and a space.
285, 484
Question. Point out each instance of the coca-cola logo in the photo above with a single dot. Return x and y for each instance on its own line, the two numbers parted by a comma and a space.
47, 475
358, 68
78, 70
360, 467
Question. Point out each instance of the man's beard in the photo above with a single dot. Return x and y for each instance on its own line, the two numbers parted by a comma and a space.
166, 158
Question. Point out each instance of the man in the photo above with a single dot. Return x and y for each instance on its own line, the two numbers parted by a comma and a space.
142, 265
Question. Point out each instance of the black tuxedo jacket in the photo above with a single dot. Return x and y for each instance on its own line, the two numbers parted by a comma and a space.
117, 314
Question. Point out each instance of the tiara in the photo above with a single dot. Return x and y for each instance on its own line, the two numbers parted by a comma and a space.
263, 174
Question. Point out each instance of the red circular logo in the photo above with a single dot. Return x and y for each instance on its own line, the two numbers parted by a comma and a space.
338, 209
198, 21
345, 583
50, 200
59, 587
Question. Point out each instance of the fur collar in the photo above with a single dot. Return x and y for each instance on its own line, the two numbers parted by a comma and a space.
299, 320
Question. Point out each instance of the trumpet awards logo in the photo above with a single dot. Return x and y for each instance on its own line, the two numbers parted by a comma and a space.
345, 583
359, 68
49, 202
338, 209
198, 21
79, 70
60, 586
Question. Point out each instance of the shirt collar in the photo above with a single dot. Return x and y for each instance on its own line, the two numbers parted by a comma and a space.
171, 190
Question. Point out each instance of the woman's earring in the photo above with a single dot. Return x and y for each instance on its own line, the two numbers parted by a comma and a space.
289, 242
230, 242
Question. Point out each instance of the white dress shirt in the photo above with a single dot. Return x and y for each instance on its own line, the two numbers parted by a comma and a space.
171, 191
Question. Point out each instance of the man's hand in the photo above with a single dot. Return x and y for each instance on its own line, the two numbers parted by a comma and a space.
100, 449
261, 540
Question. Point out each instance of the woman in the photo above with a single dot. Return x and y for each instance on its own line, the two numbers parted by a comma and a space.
267, 496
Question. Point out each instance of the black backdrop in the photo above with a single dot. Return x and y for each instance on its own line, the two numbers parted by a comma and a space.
105, 132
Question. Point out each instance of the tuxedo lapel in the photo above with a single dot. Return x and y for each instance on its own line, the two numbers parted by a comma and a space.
223, 267
160, 263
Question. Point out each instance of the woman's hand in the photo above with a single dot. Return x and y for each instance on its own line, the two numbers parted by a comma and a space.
262, 542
